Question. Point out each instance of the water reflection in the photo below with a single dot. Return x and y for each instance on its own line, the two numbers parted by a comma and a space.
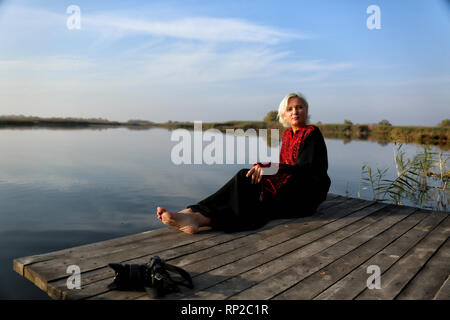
62, 188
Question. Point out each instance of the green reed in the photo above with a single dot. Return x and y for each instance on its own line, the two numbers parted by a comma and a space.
422, 179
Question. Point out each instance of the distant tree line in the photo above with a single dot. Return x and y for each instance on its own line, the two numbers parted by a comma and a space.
381, 131
22, 120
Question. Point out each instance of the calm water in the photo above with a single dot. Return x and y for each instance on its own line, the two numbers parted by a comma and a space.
64, 188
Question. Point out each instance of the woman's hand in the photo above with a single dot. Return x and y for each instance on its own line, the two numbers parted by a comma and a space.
256, 174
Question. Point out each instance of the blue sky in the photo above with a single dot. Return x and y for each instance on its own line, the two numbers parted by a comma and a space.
226, 60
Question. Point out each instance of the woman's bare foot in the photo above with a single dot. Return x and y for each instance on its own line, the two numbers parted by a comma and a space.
186, 221
159, 212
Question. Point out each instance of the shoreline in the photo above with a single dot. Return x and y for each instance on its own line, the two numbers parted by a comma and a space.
433, 135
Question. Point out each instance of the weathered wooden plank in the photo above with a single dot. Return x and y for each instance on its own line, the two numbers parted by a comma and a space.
53, 266
355, 282
429, 280
395, 278
174, 238
19, 263
332, 200
250, 270
259, 241
285, 238
41, 273
96, 250
312, 254
402, 236
220, 260
306, 264
85, 251
444, 291
56, 287
227, 258
58, 290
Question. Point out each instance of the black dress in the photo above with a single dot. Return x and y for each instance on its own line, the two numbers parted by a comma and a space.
296, 190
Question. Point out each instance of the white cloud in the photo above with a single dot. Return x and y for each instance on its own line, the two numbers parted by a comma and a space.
192, 28
173, 64
228, 58
229, 50
199, 64
211, 29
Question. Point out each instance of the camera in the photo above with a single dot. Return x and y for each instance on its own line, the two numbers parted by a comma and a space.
152, 277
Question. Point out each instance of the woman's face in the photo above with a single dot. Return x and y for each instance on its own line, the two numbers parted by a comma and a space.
296, 113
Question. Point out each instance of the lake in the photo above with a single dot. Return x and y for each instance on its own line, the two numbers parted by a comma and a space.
63, 188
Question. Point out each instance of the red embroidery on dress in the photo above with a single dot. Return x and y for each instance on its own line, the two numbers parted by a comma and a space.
291, 143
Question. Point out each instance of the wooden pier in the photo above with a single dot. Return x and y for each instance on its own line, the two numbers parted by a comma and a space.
326, 256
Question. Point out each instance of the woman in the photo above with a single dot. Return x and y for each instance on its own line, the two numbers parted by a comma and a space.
250, 199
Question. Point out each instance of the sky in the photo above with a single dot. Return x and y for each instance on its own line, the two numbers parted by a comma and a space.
226, 60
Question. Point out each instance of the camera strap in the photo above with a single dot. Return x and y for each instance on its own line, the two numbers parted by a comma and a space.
162, 282
187, 280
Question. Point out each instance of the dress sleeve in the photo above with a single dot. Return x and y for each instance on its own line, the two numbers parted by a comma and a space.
269, 164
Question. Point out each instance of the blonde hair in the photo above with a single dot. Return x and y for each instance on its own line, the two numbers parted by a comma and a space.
284, 103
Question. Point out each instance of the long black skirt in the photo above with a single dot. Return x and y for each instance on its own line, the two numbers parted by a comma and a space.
237, 205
